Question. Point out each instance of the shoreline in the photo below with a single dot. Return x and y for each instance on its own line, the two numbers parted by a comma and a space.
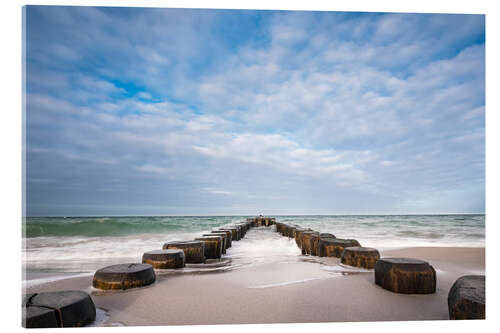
306, 290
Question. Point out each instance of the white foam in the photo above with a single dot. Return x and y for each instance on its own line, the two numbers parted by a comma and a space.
101, 316
345, 269
280, 284
87, 254
263, 245
394, 244
462, 271
36, 282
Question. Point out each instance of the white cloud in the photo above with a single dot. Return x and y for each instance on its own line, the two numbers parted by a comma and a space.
328, 107
93, 84
144, 95
147, 168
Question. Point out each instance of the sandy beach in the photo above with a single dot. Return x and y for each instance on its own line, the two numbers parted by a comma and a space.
309, 289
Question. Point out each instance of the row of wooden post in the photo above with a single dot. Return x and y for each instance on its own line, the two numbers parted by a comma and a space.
466, 298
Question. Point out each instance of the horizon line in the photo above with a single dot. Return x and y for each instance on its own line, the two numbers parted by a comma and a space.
253, 215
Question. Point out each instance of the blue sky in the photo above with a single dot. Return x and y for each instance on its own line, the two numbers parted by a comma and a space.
135, 111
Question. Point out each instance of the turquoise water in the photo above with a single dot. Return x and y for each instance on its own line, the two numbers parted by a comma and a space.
119, 226
84, 244
423, 227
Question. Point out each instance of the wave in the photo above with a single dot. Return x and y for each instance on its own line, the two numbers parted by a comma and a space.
116, 226
425, 227
281, 284
420, 234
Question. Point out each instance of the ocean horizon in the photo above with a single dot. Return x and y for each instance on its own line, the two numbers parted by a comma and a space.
245, 215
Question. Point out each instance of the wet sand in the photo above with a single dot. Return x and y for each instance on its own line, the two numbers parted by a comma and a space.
307, 290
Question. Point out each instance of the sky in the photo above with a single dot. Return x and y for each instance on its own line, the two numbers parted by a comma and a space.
142, 111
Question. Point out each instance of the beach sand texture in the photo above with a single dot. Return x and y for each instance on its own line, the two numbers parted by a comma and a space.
279, 290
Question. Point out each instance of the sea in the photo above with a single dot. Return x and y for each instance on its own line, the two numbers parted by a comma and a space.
56, 247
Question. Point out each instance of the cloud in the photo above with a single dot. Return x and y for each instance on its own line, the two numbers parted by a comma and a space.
297, 110
145, 95
104, 87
